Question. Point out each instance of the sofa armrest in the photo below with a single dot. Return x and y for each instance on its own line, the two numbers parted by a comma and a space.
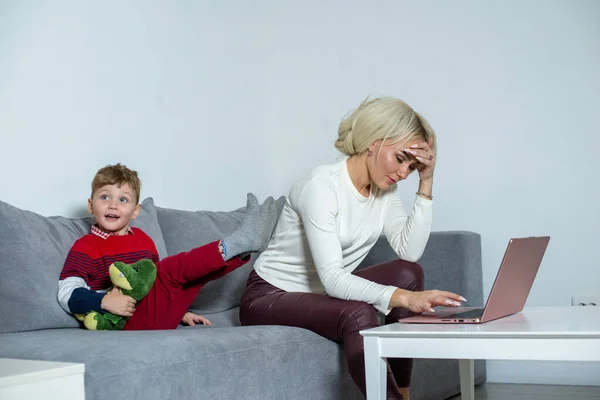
451, 261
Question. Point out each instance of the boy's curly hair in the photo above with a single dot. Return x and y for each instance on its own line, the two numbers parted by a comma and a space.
117, 174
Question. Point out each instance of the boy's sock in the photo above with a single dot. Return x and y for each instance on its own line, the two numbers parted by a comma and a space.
256, 229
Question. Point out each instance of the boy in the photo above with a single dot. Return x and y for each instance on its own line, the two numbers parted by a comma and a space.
114, 203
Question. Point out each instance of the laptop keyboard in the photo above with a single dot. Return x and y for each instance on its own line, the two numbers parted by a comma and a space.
474, 313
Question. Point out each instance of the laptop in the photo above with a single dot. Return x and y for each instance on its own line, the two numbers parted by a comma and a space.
509, 293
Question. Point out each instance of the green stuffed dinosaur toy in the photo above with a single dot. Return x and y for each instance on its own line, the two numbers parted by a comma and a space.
133, 280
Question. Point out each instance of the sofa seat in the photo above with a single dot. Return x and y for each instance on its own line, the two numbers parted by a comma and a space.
214, 361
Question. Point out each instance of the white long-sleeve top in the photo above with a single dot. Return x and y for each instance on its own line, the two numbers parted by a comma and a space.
327, 228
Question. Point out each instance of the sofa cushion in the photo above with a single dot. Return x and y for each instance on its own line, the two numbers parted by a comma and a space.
185, 230
32, 253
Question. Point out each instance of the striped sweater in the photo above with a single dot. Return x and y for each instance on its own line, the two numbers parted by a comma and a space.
84, 278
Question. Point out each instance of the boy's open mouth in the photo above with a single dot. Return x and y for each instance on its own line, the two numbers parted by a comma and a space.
112, 217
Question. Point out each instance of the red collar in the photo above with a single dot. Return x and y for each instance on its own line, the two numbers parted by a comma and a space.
104, 235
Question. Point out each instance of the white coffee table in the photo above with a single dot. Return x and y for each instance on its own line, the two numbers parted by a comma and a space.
49, 380
539, 333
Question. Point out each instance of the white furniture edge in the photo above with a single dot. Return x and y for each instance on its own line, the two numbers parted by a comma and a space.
383, 342
15, 372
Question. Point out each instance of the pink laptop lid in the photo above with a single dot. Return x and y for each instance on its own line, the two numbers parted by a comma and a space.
515, 278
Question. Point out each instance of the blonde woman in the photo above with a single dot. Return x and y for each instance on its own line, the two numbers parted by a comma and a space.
332, 218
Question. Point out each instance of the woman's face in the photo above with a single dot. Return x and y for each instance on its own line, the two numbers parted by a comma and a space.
391, 164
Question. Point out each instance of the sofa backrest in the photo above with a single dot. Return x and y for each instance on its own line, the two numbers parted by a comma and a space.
33, 249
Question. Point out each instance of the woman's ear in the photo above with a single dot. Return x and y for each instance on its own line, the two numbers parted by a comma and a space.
375, 146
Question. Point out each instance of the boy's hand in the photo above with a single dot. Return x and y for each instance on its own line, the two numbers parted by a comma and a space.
119, 304
192, 319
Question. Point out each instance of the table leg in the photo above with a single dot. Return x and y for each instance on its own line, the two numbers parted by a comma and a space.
467, 379
375, 369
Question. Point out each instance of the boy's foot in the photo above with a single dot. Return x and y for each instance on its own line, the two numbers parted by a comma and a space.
256, 229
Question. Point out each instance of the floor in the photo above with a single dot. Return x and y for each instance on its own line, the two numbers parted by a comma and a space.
512, 391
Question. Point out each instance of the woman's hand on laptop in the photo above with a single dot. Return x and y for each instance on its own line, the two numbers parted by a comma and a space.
425, 301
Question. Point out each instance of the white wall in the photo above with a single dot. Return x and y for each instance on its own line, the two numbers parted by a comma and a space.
210, 100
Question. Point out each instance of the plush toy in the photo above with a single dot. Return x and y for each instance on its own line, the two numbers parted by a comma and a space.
133, 280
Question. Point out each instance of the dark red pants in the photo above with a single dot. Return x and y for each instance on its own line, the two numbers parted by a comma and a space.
179, 279
336, 319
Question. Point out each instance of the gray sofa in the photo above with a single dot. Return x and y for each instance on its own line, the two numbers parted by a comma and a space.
224, 361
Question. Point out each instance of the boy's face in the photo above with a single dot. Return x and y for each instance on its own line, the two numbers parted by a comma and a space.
114, 206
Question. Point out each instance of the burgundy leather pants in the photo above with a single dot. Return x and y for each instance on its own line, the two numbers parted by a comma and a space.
336, 319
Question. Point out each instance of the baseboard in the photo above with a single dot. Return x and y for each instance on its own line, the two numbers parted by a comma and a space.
544, 373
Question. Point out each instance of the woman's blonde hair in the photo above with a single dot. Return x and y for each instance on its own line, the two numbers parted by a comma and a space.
383, 118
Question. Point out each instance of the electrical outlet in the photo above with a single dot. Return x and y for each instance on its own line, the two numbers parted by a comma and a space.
585, 301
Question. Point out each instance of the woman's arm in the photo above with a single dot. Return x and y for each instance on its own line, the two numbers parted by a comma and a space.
408, 235
318, 207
